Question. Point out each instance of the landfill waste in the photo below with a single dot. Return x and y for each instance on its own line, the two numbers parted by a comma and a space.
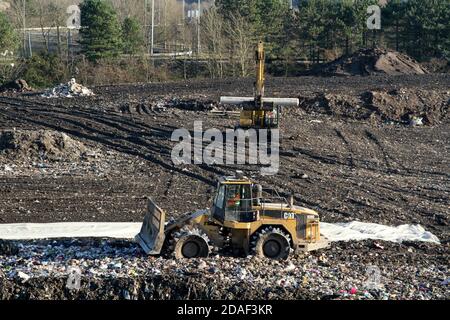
116, 269
8, 248
68, 90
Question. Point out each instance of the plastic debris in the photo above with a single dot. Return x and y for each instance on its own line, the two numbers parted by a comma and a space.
68, 90
23, 276
416, 121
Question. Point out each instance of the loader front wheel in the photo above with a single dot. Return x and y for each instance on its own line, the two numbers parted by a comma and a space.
191, 246
271, 243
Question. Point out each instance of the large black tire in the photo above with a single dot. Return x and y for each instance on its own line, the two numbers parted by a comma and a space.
190, 243
272, 243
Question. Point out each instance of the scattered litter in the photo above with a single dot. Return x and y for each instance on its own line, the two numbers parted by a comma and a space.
416, 121
202, 265
378, 246
290, 267
353, 291
68, 90
23, 276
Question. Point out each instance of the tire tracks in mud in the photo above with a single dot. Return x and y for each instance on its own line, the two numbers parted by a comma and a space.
364, 185
356, 173
100, 128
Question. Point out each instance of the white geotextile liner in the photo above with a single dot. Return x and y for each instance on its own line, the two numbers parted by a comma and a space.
30, 231
352, 231
362, 231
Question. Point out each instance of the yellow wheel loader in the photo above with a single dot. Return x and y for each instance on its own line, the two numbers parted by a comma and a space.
244, 218
259, 112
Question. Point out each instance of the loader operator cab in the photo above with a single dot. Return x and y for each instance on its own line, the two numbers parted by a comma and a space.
234, 201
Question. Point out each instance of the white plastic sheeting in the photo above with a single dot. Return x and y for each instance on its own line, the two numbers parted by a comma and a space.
362, 231
352, 231
31, 231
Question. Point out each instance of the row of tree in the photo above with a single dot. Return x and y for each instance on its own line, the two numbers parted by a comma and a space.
420, 28
318, 30
321, 30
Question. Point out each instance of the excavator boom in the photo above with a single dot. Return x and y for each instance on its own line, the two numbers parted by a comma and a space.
259, 112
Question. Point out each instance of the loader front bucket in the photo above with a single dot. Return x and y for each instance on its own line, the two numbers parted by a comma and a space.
152, 235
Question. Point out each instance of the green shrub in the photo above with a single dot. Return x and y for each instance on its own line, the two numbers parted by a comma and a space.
45, 70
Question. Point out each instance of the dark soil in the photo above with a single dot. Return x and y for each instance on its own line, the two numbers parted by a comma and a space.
347, 152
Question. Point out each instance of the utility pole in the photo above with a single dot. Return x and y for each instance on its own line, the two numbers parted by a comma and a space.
146, 24
198, 27
184, 10
24, 28
152, 49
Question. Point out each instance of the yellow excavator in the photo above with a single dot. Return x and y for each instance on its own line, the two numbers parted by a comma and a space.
259, 112
244, 218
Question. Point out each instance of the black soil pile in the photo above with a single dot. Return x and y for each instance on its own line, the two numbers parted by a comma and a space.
18, 85
371, 61
39, 145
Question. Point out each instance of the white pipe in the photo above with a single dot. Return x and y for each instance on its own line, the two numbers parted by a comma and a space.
283, 102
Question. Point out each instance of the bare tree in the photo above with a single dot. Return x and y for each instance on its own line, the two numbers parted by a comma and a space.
51, 15
242, 44
215, 41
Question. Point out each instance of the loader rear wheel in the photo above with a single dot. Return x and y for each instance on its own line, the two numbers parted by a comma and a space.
271, 243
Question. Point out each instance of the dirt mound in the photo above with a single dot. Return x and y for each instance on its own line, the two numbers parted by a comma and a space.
429, 107
372, 61
404, 105
437, 65
40, 145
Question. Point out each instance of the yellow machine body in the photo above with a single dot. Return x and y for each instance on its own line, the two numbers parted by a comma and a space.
235, 226
259, 112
